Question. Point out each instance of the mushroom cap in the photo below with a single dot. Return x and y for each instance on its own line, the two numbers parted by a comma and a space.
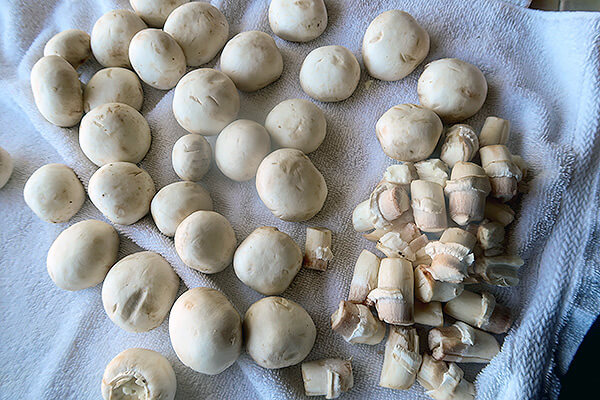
205, 241
298, 21
205, 330
278, 332
113, 85
155, 12
54, 193
111, 35
453, 88
122, 191
175, 202
240, 148
139, 290
82, 254
191, 157
290, 185
267, 260
73, 45
408, 132
330, 73
6, 167
393, 45
297, 124
252, 60
200, 29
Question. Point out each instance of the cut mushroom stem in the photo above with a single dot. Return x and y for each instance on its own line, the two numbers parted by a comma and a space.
504, 174
361, 217
429, 313
452, 255
317, 249
364, 279
377, 234
490, 236
462, 343
495, 131
402, 360
401, 174
444, 381
467, 191
427, 289
429, 206
461, 144
433, 170
479, 310
394, 295
393, 203
329, 377
397, 243
356, 324
499, 212
499, 270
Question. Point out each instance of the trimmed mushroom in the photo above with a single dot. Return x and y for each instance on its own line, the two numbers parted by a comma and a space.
429, 313
73, 45
404, 242
191, 157
490, 236
461, 144
504, 174
113, 85
6, 167
495, 131
429, 206
111, 35
433, 170
298, 21
394, 295
467, 192
155, 12
329, 377
481, 311
364, 278
452, 255
462, 343
317, 248
428, 289
499, 212
444, 381
401, 174
402, 360
357, 324
500, 270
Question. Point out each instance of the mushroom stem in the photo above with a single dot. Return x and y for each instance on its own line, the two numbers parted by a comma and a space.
394, 295
401, 174
364, 279
402, 360
504, 174
499, 212
444, 381
317, 248
433, 170
356, 324
451, 255
427, 289
329, 377
499, 270
467, 191
429, 313
490, 236
429, 206
495, 131
461, 144
462, 343
479, 310
361, 217
397, 243
387, 203
377, 234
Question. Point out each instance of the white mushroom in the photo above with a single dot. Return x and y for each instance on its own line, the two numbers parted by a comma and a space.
460, 145
157, 58
122, 191
393, 45
114, 132
54, 193
200, 29
453, 88
408, 132
111, 36
73, 45
205, 241
6, 167
205, 330
205, 101
82, 254
267, 260
330, 73
139, 374
155, 12
298, 21
290, 185
175, 202
278, 332
330, 377
113, 85
240, 148
139, 290
252, 60
191, 157
57, 91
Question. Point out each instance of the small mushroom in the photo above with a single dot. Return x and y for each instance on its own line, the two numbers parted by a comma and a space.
111, 35
364, 278
394, 295
452, 255
467, 192
504, 174
462, 343
329, 377
113, 85
73, 45
461, 144
495, 131
481, 311
429, 206
191, 157
155, 12
6, 167
357, 324
298, 21
444, 381
401, 360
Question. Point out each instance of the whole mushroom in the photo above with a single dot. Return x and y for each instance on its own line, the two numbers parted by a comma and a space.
111, 35
191, 157
113, 85
155, 12
73, 45
298, 21
6, 167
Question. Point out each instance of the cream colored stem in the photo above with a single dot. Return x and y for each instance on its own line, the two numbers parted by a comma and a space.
356, 324
427, 289
495, 131
499, 270
462, 343
500, 212
394, 295
329, 377
364, 279
361, 217
481, 311
444, 381
452, 255
429, 206
429, 313
401, 361
317, 248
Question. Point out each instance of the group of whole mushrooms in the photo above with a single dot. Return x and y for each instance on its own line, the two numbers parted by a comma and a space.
429, 257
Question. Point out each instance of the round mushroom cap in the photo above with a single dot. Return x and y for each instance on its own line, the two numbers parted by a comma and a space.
267, 260
290, 185
73, 45
111, 35
113, 85
122, 191
278, 332
6, 167
205, 330
453, 88
205, 241
408, 132
54, 193
205, 101
155, 12
191, 157
139, 374
82, 254
393, 45
330, 73
240, 148
175, 202
139, 290
200, 29
252, 60
114, 132
157, 58
297, 124
298, 21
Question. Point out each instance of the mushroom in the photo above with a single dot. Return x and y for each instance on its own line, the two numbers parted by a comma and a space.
504, 174
267, 260
191, 157
428, 289
317, 248
329, 73
82, 254
495, 131
114, 132
452, 255
113, 85
429, 313
461, 144
297, 124
57, 91
481, 311
401, 360
6, 167
122, 191
453, 88
394, 295
205, 330
467, 192
205, 101
139, 290
290, 185
155, 12
252, 60
298, 21
205, 241
490, 237
499, 212
499, 271
157, 58
240, 148
462, 343
393, 45
444, 382
329, 377
175, 202
73, 45
433, 170
278, 332
139, 374
408, 132
364, 278
401, 174
429, 206
200, 29
357, 324
111, 35
54, 193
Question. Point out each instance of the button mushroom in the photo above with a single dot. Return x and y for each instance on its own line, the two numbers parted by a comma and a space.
155, 12
113, 85
298, 21
111, 35
191, 157
73, 45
